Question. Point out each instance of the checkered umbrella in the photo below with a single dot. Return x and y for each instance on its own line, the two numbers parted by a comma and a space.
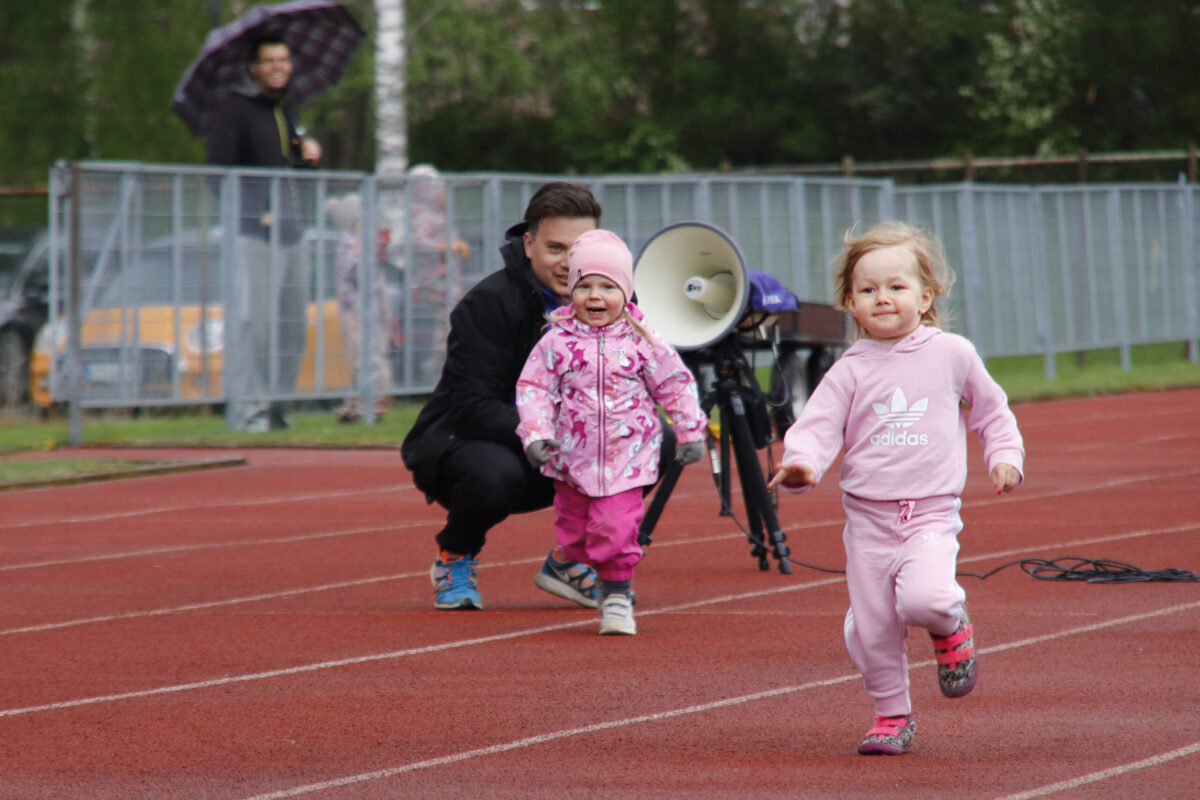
322, 36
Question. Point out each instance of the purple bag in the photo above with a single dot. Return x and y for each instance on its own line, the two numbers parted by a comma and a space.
768, 294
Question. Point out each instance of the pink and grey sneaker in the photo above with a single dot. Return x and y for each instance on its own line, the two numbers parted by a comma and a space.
957, 668
891, 736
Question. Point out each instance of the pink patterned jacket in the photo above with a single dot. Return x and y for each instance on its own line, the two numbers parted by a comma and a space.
594, 390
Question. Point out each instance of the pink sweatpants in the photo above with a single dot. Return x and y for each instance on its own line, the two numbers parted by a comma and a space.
600, 531
901, 557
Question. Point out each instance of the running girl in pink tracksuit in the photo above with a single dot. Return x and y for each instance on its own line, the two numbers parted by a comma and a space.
893, 404
587, 404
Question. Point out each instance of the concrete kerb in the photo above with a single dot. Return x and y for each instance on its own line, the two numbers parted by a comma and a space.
156, 468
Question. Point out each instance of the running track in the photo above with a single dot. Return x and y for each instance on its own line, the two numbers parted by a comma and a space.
267, 631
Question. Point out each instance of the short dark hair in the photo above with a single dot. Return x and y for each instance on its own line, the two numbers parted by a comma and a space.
265, 41
560, 199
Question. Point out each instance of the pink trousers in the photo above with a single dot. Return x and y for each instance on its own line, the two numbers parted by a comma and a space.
901, 559
600, 531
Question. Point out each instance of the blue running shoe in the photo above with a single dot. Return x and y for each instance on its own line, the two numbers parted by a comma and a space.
555, 577
454, 582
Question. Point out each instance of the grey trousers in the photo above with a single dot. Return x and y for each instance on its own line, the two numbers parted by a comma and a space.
266, 329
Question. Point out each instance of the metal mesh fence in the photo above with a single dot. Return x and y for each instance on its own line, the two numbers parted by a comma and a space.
166, 312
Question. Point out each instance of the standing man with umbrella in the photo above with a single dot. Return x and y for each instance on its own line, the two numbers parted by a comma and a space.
256, 127
240, 94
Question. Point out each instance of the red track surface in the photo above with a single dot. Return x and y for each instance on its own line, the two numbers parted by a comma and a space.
268, 631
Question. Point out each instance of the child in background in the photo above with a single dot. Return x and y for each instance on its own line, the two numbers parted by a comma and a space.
892, 403
586, 399
346, 214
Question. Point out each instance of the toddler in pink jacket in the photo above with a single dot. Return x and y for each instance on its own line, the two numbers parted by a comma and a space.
892, 404
586, 399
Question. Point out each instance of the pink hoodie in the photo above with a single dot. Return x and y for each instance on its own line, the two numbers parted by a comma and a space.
594, 390
895, 410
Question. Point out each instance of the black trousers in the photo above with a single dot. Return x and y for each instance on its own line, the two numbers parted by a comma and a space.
481, 483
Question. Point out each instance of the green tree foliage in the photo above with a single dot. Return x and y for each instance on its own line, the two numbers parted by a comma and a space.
889, 74
42, 93
135, 53
342, 119
1135, 66
1027, 82
472, 89
639, 85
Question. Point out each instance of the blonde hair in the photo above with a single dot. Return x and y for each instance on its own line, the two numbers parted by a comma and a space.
932, 270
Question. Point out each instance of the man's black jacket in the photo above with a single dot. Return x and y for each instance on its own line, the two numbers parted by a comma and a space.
245, 132
492, 331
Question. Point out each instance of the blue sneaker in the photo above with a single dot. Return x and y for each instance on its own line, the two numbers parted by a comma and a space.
454, 582
555, 577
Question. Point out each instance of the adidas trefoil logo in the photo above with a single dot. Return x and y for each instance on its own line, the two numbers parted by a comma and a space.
896, 417
900, 415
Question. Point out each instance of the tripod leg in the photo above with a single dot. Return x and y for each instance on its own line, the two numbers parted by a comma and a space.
661, 495
732, 436
666, 485
724, 478
754, 486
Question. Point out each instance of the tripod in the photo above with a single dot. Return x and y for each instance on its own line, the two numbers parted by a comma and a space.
743, 414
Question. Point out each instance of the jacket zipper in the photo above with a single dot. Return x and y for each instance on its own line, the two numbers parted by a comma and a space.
603, 426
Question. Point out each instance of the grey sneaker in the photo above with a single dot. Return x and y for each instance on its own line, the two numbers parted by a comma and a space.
555, 577
616, 615
891, 736
957, 668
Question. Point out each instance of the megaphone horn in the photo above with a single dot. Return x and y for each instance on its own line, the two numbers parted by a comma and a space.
691, 283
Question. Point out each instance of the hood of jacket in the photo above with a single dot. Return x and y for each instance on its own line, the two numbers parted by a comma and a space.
869, 348
247, 87
516, 263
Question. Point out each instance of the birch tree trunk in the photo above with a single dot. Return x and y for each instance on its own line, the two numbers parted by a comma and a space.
391, 136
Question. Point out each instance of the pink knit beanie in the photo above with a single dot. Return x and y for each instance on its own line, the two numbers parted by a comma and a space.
601, 252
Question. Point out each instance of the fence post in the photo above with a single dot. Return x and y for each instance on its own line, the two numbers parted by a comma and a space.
368, 284
230, 212
1118, 278
74, 317
970, 267
1041, 297
1189, 273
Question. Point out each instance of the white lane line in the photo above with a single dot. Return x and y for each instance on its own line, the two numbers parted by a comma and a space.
1023, 496
544, 738
1107, 416
323, 665
1103, 775
143, 512
414, 651
184, 548
232, 601
533, 741
229, 601
974, 503
1115, 537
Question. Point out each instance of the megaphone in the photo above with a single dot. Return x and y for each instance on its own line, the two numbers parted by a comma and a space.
691, 283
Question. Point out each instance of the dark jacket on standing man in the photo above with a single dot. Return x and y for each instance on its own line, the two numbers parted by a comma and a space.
252, 129
492, 331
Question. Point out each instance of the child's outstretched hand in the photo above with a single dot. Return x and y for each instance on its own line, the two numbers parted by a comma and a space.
1005, 478
794, 476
